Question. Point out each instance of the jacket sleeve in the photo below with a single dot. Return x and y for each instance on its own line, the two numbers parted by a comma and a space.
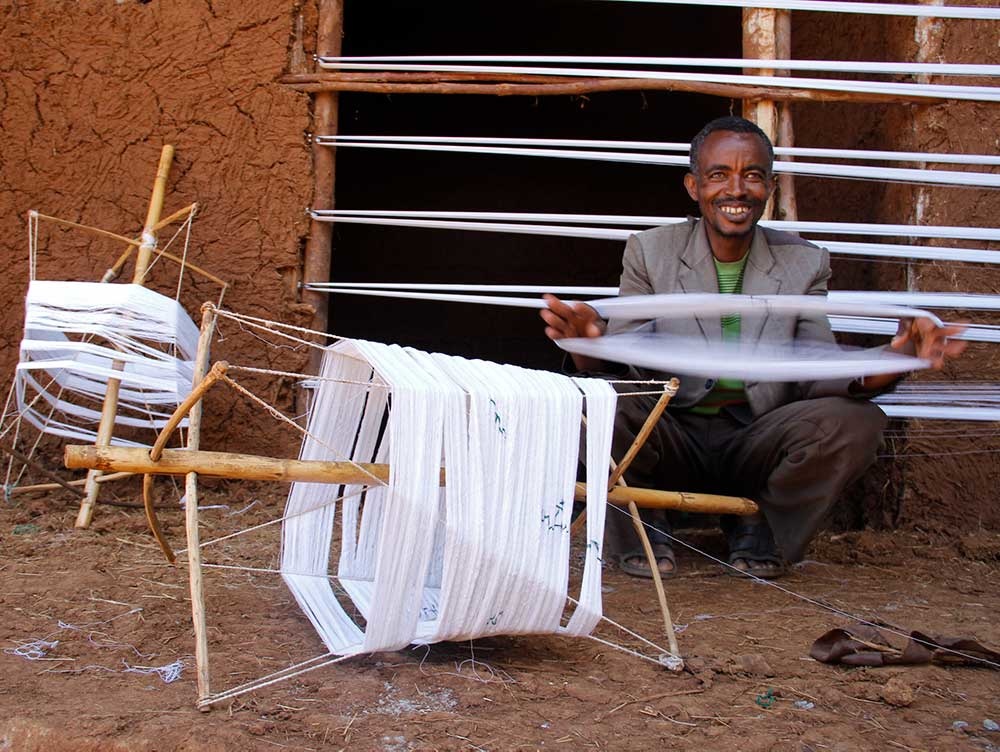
817, 329
634, 281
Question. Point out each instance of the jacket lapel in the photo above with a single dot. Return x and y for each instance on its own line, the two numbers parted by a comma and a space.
697, 274
758, 279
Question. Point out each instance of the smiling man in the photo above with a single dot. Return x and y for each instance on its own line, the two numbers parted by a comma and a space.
791, 446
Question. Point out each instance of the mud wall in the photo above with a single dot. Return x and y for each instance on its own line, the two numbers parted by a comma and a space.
89, 93
942, 477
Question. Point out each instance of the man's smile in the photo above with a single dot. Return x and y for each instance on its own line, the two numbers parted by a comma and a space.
736, 212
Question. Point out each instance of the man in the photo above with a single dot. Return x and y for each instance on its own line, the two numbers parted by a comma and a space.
793, 447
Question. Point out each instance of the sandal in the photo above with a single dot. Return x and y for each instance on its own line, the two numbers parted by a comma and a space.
636, 564
752, 544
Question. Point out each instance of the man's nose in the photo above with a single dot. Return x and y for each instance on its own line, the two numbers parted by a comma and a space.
736, 185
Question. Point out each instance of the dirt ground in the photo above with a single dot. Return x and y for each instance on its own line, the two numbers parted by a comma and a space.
109, 601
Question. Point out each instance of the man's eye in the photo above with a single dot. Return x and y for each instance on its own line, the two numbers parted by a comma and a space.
717, 175
756, 177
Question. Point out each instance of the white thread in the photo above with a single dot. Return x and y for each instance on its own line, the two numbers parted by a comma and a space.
824, 228
789, 151
126, 324
930, 10
35, 650
817, 169
842, 66
487, 555
169, 673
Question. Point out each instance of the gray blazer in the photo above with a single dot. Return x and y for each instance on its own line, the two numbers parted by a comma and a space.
677, 258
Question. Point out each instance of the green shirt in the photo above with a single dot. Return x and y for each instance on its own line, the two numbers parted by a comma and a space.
726, 392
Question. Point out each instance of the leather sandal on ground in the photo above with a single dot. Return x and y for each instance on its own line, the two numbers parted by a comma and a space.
636, 564
753, 543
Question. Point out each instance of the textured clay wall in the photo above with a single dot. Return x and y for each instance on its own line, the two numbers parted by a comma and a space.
89, 93
944, 477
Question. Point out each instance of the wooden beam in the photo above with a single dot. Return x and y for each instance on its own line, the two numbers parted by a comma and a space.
317, 260
536, 86
787, 208
252, 467
759, 33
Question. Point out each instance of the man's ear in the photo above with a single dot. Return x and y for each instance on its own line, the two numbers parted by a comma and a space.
772, 185
691, 184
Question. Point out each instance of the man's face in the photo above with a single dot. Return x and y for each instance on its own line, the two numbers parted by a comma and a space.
733, 183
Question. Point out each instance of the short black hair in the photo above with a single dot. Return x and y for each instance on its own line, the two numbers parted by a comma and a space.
729, 124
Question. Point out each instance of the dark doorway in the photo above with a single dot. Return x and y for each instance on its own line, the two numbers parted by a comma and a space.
375, 179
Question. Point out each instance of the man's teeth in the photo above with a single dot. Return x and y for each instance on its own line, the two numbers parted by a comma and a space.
733, 211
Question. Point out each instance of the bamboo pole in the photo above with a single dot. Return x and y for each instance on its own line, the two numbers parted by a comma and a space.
198, 620
110, 406
536, 86
317, 259
253, 467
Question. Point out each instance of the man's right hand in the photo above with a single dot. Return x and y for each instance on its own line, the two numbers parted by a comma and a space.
563, 320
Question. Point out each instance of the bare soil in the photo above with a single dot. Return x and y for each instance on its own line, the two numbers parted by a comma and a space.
111, 602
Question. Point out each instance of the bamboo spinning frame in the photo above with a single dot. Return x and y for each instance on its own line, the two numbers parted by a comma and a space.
145, 247
192, 462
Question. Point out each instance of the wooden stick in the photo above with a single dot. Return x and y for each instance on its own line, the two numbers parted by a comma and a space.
110, 406
669, 390
57, 482
616, 479
208, 318
661, 596
218, 370
317, 82
193, 398
74, 484
254, 467
88, 228
112, 273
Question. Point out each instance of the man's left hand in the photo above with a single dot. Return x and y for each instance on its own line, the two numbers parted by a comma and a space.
922, 338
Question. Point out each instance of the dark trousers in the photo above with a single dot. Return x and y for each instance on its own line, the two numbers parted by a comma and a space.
793, 461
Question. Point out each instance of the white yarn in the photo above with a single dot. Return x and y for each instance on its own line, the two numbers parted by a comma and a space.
843, 66
686, 305
919, 10
818, 169
740, 360
790, 151
73, 334
487, 553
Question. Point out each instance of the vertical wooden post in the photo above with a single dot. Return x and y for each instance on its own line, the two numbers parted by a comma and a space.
759, 42
787, 205
110, 408
316, 263
191, 513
